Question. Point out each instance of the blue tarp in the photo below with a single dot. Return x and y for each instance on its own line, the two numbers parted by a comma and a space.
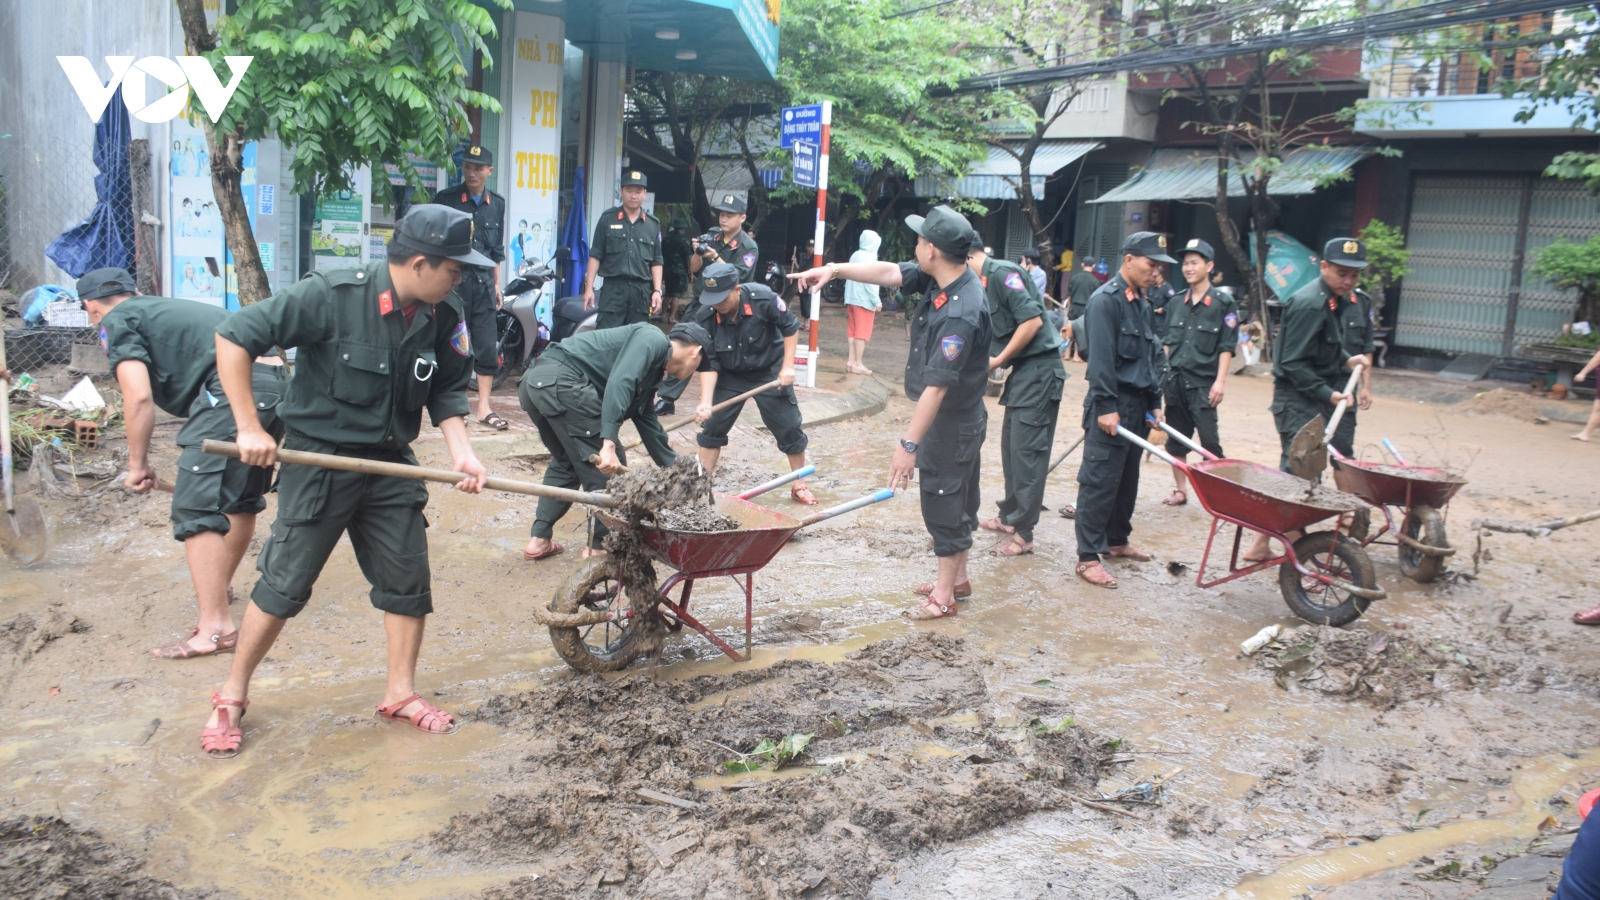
575, 235
105, 238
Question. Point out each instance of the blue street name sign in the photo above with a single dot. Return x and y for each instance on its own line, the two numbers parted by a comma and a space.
805, 163
800, 123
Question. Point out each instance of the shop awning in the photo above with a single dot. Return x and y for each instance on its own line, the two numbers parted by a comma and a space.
996, 178
1174, 174
736, 38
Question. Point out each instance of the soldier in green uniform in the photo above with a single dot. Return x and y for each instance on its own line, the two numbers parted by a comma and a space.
675, 253
580, 392
1316, 352
732, 246
375, 345
163, 354
947, 372
626, 252
753, 338
1202, 330
480, 289
1023, 340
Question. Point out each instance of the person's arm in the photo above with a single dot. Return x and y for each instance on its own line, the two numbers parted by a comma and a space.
1297, 349
655, 280
901, 464
708, 388
1224, 360
1019, 340
786, 373
588, 282
139, 418
295, 316
452, 374
462, 459
1100, 330
499, 295
1364, 397
1588, 366
256, 447
883, 274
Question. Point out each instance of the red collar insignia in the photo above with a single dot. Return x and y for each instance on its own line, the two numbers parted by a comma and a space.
385, 303
1333, 304
619, 215
748, 311
940, 301
463, 196
734, 245
1206, 300
1129, 293
984, 280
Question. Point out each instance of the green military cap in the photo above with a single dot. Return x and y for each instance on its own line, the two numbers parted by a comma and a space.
1147, 244
944, 228
101, 283
1196, 245
634, 178
1345, 251
730, 203
479, 155
697, 334
718, 280
439, 230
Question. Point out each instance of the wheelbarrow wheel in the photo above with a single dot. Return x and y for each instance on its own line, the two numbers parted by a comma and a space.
1425, 525
1335, 555
605, 647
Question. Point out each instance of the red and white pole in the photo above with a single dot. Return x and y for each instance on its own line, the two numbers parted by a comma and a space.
817, 241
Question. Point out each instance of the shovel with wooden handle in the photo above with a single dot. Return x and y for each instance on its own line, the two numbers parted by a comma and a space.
672, 425
1308, 452
23, 533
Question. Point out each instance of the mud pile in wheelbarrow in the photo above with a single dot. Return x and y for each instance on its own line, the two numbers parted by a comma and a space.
904, 754
1380, 668
677, 497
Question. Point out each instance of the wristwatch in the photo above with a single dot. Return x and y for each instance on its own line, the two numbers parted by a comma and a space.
908, 446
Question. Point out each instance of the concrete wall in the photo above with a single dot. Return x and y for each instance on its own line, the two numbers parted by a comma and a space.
46, 137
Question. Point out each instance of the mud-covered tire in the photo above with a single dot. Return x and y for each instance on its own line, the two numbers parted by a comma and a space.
1335, 555
606, 647
1425, 525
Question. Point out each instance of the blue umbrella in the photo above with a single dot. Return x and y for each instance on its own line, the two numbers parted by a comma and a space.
575, 235
105, 238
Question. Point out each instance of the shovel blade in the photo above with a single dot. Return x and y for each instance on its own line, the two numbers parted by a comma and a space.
23, 532
1308, 452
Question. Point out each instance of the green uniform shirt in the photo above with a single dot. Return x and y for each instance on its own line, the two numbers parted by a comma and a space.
624, 364
626, 249
1359, 320
741, 253
362, 375
1311, 350
175, 339
1198, 333
949, 339
1014, 299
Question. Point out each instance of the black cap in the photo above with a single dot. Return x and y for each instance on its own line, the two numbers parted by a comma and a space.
718, 280
695, 333
101, 283
440, 231
479, 155
1031, 254
730, 203
944, 228
634, 177
1147, 244
1196, 245
1345, 251
975, 242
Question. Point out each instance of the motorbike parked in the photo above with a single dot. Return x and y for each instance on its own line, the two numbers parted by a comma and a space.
518, 319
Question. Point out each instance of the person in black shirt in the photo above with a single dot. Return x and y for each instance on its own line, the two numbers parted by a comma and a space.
480, 288
947, 371
1126, 371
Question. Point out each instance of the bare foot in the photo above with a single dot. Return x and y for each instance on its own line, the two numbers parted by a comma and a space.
589, 553
1581, 436
995, 524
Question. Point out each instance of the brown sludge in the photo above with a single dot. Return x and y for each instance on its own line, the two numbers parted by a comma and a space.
45, 857
1435, 475
675, 497
1283, 486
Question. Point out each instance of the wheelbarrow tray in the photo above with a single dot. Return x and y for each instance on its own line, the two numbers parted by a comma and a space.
699, 554
1385, 485
1257, 496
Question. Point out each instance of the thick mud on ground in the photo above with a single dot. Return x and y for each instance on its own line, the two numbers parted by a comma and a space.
1451, 725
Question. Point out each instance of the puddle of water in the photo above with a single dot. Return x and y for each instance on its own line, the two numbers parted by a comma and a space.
1529, 785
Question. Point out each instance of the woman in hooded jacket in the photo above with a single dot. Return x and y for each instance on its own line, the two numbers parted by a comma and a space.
861, 303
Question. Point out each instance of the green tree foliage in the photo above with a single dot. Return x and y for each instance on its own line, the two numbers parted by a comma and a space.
343, 83
1575, 266
1387, 258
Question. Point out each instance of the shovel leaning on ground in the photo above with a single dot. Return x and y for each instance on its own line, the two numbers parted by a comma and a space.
1308, 452
23, 533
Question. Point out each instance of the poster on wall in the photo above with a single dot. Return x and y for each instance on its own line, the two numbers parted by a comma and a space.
532, 178
198, 244
338, 231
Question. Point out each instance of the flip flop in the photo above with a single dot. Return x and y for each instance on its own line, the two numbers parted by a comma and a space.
926, 610
424, 718
1010, 548
964, 589
1128, 551
1069, 511
1181, 498
1096, 574
493, 420
554, 549
802, 494
180, 649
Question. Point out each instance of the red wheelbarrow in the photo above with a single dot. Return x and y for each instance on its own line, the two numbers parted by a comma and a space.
607, 638
1422, 493
1325, 577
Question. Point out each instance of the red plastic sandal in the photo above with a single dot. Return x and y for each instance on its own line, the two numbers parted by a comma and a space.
426, 717
224, 741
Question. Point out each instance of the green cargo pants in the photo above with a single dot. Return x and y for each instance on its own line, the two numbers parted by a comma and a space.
622, 301
209, 487
1032, 399
565, 408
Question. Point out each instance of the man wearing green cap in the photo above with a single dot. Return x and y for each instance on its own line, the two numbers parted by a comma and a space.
163, 354
732, 246
375, 345
1032, 395
947, 372
581, 391
626, 252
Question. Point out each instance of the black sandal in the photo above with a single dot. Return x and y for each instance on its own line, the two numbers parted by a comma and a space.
493, 420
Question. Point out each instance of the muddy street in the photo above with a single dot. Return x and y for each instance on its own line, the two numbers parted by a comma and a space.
1052, 740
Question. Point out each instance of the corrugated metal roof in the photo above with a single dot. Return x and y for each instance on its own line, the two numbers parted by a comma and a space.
996, 177
1173, 174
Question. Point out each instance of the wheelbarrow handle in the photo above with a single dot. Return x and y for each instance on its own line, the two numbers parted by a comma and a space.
847, 506
1141, 442
778, 482
1338, 411
1394, 452
415, 473
1187, 441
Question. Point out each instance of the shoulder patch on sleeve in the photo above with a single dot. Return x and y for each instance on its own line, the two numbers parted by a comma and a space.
749, 260
460, 340
1231, 320
951, 346
782, 307
1372, 315
104, 344
1014, 281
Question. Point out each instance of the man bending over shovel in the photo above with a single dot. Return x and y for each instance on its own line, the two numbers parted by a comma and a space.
376, 345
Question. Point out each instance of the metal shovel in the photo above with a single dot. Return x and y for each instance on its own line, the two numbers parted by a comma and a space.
24, 534
1308, 452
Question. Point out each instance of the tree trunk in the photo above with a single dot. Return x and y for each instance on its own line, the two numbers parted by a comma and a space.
1230, 231
227, 170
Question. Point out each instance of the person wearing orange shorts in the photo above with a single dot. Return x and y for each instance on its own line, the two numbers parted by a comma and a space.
861, 303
